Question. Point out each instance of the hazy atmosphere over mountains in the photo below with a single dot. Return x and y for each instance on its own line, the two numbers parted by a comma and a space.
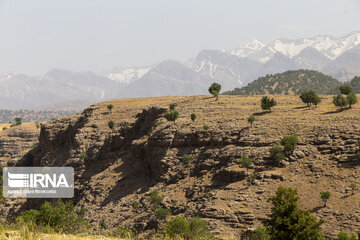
232, 68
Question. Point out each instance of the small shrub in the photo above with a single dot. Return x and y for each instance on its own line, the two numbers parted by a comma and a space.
345, 236
156, 124
111, 124
340, 101
289, 143
345, 89
103, 224
277, 154
162, 213
193, 116
135, 205
186, 159
124, 232
180, 228
246, 162
59, 218
83, 156
110, 107
325, 197
18, 121
171, 115
214, 89
353, 188
155, 198
351, 98
251, 178
172, 106
206, 127
4, 128
267, 103
260, 233
251, 120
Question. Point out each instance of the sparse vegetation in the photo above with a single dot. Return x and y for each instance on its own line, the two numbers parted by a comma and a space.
155, 199
171, 115
260, 233
110, 107
124, 232
289, 143
62, 217
267, 103
18, 121
135, 205
214, 89
246, 162
83, 156
111, 124
353, 187
172, 106
206, 127
162, 213
181, 228
351, 98
310, 97
287, 221
186, 159
251, 120
277, 154
193, 116
325, 197
345, 89
345, 236
340, 101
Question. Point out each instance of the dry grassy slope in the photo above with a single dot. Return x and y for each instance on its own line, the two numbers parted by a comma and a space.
125, 164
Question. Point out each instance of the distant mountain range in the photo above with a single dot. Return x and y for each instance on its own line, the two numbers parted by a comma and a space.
233, 68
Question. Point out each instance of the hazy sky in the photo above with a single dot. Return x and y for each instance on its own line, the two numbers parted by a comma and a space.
37, 35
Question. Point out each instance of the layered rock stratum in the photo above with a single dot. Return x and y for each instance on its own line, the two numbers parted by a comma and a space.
144, 152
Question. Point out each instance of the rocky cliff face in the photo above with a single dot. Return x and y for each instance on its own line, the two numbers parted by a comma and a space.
144, 152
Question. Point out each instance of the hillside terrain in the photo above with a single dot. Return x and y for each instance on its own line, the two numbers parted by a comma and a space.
67, 90
293, 82
145, 152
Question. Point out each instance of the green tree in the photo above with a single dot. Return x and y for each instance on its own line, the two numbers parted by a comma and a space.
345, 236
162, 213
155, 198
214, 89
325, 197
267, 103
172, 106
110, 107
340, 101
193, 116
286, 221
345, 89
310, 97
18, 121
277, 153
171, 115
351, 98
246, 162
260, 233
251, 119
111, 124
181, 228
289, 143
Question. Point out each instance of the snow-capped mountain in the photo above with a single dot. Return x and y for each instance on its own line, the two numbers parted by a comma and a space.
234, 68
329, 46
126, 75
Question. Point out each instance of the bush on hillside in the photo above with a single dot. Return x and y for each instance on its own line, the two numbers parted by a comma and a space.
267, 103
287, 221
62, 217
351, 98
214, 89
289, 143
310, 97
340, 101
171, 115
277, 154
